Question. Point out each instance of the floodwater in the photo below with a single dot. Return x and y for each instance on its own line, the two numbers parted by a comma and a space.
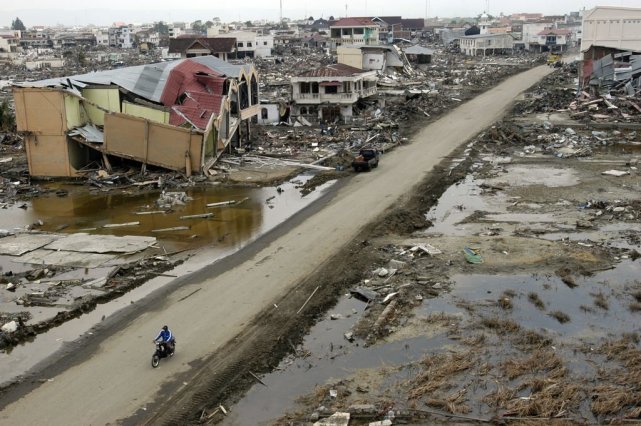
230, 229
332, 358
95, 212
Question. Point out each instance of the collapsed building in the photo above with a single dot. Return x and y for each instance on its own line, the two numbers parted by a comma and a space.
178, 115
611, 48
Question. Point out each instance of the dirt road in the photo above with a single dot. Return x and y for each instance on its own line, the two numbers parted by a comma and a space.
116, 381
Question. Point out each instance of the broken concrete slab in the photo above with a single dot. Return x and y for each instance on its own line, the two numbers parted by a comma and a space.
65, 258
616, 173
20, 244
336, 419
364, 293
87, 243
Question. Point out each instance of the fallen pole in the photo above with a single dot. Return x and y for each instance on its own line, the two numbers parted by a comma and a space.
227, 203
308, 299
152, 212
175, 228
120, 225
197, 216
257, 378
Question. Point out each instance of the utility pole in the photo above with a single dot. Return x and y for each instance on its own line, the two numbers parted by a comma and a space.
281, 12
346, 14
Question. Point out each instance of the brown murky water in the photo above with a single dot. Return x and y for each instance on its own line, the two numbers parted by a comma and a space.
90, 211
230, 228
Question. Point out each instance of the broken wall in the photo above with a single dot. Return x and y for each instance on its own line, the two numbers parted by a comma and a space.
74, 112
152, 114
350, 56
107, 98
41, 116
162, 145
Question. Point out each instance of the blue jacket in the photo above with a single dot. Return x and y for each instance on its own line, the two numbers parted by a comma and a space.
166, 336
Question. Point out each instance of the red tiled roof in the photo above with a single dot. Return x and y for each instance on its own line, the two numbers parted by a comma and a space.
354, 22
554, 32
194, 92
335, 70
197, 116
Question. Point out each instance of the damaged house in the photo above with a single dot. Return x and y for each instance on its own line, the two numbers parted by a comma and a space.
611, 48
178, 115
329, 93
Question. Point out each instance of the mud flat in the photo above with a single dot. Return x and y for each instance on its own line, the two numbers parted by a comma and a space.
506, 289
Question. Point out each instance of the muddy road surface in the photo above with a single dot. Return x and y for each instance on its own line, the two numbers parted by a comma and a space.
218, 314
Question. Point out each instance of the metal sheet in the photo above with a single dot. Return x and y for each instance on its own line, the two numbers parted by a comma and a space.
65, 258
87, 243
418, 50
20, 244
90, 132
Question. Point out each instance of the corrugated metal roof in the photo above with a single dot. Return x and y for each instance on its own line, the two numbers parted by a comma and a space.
335, 70
146, 81
418, 50
89, 132
222, 67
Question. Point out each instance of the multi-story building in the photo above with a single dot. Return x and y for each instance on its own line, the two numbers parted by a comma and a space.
484, 44
329, 93
354, 31
120, 36
102, 37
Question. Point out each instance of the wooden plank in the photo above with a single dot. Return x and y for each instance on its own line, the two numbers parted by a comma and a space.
120, 225
197, 216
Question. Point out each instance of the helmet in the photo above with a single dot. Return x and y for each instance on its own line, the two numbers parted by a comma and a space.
164, 327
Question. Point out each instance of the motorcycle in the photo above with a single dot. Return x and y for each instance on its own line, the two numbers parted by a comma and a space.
161, 352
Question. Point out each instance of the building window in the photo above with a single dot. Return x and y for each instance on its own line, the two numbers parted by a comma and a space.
303, 110
264, 43
240, 44
359, 31
264, 114
249, 44
305, 87
331, 90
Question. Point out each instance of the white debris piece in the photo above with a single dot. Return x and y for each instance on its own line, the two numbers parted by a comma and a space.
10, 327
617, 173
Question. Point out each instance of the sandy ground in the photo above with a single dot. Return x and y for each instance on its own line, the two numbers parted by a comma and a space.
115, 380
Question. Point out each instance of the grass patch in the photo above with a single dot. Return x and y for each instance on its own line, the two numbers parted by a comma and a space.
601, 301
561, 317
501, 327
536, 301
439, 371
540, 361
635, 307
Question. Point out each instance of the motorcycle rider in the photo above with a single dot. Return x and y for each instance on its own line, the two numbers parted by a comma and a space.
166, 339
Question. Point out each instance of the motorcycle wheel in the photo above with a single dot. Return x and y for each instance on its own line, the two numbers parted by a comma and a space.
155, 361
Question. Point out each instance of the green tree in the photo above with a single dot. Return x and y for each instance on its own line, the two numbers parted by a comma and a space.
199, 27
248, 23
17, 24
161, 28
7, 118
